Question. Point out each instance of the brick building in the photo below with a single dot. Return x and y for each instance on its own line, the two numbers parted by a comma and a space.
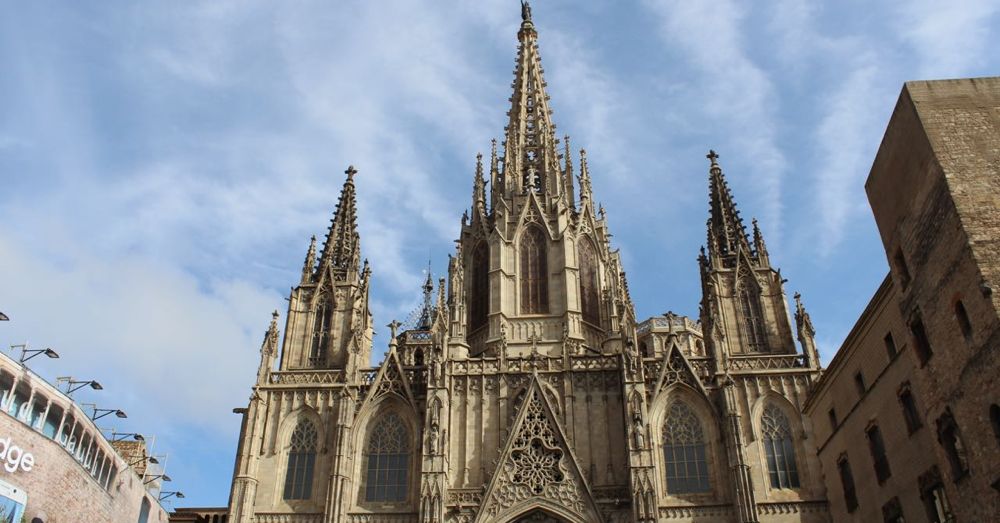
913, 392
75, 474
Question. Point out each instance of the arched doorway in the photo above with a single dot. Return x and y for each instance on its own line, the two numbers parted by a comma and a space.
536, 516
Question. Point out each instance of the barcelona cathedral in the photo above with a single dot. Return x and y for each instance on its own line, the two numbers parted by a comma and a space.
527, 389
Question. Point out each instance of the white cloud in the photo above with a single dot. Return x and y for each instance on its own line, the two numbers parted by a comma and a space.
950, 38
735, 95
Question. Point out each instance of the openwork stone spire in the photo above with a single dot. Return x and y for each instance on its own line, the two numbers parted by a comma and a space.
726, 232
530, 156
342, 249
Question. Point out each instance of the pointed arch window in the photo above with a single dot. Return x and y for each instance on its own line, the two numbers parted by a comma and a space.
684, 451
388, 460
534, 283
479, 302
322, 323
301, 461
752, 317
779, 448
589, 294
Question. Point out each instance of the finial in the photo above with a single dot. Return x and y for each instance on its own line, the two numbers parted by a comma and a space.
712, 157
525, 11
351, 171
393, 326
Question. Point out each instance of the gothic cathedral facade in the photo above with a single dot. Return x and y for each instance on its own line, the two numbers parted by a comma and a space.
528, 390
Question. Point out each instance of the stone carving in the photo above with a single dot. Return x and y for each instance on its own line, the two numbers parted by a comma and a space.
536, 463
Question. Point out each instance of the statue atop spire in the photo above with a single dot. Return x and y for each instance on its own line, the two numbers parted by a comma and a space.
525, 11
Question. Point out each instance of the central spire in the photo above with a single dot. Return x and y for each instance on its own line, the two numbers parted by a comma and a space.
531, 161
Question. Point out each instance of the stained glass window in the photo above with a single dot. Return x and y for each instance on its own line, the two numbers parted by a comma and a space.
388, 460
301, 462
589, 295
753, 320
479, 302
684, 451
321, 332
779, 448
534, 284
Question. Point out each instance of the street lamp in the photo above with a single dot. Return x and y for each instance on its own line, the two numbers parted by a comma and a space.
73, 385
27, 354
151, 459
174, 493
155, 477
104, 412
120, 436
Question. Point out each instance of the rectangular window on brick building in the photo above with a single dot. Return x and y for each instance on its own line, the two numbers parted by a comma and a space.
902, 271
859, 383
892, 511
890, 346
920, 342
877, 448
847, 483
909, 405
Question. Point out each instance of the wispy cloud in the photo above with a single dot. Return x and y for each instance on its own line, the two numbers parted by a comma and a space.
735, 96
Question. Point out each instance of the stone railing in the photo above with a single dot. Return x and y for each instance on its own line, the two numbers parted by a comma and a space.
403, 517
781, 361
288, 518
304, 377
703, 511
671, 323
792, 507
465, 496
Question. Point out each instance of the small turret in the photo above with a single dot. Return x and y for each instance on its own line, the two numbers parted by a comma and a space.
806, 333
309, 266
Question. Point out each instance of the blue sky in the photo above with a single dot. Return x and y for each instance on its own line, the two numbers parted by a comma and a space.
163, 164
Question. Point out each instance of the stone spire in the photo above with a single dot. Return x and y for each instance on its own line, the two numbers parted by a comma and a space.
585, 191
568, 191
310, 264
806, 333
426, 316
342, 248
726, 232
530, 146
479, 190
759, 247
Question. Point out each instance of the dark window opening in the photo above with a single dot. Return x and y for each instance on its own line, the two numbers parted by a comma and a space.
847, 483
590, 303
534, 281
995, 420
833, 418
951, 439
933, 497
301, 462
892, 511
910, 413
963, 321
890, 346
877, 448
753, 320
920, 341
479, 303
904, 273
859, 383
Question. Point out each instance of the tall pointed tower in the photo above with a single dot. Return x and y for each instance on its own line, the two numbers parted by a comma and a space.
533, 267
